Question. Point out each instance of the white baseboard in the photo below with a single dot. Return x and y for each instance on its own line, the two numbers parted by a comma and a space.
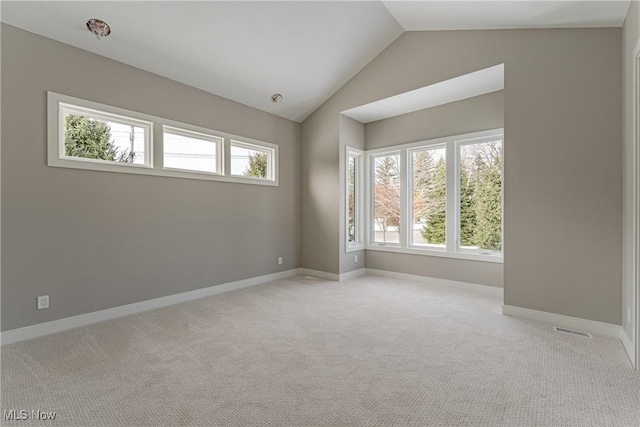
318, 273
331, 276
60, 325
484, 289
575, 323
628, 346
352, 274
28, 332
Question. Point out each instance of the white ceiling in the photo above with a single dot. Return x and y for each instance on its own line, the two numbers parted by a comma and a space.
466, 86
482, 15
244, 51
247, 51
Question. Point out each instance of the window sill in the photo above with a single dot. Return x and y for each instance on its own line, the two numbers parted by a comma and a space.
355, 248
435, 253
145, 170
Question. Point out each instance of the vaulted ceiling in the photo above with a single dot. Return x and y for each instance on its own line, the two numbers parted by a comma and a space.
247, 51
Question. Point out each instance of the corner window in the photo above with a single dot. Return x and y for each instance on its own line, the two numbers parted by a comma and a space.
447, 203
386, 198
354, 178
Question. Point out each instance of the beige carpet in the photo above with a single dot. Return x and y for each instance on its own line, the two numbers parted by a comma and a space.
298, 352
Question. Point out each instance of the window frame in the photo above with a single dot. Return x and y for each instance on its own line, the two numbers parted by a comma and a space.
410, 185
452, 248
56, 153
154, 165
270, 149
458, 245
371, 185
359, 200
218, 140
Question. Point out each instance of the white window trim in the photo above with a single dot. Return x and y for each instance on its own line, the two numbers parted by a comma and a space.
450, 233
218, 140
154, 164
370, 209
360, 218
470, 141
452, 249
56, 151
272, 155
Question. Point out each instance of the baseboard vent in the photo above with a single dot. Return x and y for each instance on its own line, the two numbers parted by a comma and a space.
311, 278
572, 332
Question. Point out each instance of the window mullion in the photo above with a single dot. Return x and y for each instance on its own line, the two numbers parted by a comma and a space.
452, 208
369, 209
405, 211
157, 146
226, 152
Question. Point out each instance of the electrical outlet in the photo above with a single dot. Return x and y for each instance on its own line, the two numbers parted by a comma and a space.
356, 258
43, 302
279, 260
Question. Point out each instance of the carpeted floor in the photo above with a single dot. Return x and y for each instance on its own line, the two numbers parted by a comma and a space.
371, 351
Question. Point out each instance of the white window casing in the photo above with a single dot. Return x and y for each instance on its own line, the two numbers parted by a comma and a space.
452, 247
357, 243
154, 128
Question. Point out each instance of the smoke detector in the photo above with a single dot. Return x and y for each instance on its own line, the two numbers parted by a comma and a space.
99, 28
276, 98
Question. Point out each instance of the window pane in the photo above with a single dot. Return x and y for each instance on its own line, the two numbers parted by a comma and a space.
249, 162
429, 197
94, 138
387, 199
481, 195
351, 199
190, 153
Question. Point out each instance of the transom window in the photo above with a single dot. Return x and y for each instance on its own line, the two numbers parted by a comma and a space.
193, 151
88, 135
251, 161
97, 136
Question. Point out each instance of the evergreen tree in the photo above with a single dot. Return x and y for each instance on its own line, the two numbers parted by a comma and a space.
467, 207
423, 169
90, 139
257, 165
488, 232
435, 229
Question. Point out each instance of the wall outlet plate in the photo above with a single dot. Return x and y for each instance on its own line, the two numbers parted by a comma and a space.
43, 302
279, 260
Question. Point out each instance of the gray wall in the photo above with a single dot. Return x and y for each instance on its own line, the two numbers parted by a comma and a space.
320, 181
94, 240
470, 115
631, 35
482, 273
563, 187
